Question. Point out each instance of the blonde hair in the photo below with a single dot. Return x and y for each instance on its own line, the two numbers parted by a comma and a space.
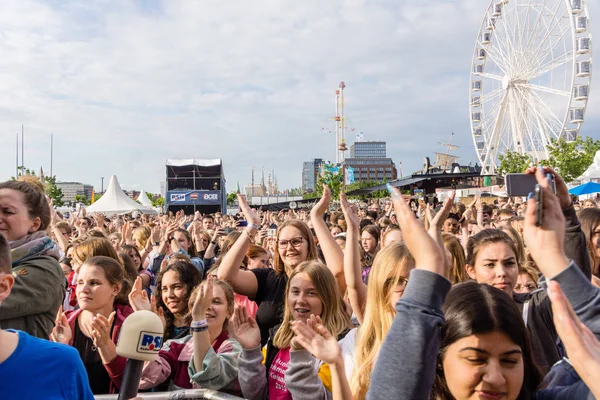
141, 236
333, 314
94, 247
229, 297
392, 264
458, 273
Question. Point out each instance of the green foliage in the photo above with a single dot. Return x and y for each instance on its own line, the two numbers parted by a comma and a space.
571, 159
231, 198
513, 163
53, 191
327, 177
82, 199
158, 202
378, 194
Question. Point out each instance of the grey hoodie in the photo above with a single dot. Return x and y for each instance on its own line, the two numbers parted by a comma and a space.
414, 337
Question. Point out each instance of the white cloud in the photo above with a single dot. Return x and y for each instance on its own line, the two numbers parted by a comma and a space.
126, 85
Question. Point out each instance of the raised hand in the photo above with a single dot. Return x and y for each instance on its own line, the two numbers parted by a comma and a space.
437, 221
546, 243
427, 253
245, 329
155, 235
352, 220
323, 204
157, 310
583, 349
61, 333
203, 300
317, 340
250, 214
101, 330
561, 187
138, 298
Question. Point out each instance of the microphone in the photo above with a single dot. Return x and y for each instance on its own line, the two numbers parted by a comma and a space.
140, 340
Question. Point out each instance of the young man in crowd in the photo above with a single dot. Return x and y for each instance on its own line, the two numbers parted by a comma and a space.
33, 368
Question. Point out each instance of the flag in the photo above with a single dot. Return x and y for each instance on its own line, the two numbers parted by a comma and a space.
93, 196
349, 175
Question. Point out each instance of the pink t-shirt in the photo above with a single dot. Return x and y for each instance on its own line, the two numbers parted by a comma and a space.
277, 388
243, 301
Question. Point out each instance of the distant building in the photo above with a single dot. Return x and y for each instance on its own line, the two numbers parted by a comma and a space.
368, 150
257, 190
71, 189
132, 194
367, 169
310, 172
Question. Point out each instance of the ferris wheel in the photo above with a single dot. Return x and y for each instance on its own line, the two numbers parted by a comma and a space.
530, 77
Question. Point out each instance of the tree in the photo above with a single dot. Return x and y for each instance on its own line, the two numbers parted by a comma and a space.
54, 192
231, 198
571, 159
159, 202
330, 178
513, 163
82, 199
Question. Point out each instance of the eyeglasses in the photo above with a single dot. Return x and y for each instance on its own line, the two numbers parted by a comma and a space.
295, 242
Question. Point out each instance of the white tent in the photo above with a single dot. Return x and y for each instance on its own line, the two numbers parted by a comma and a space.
144, 200
114, 201
593, 172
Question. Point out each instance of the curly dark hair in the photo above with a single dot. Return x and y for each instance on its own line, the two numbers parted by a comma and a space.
190, 277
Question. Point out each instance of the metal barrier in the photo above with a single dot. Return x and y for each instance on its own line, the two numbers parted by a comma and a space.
177, 395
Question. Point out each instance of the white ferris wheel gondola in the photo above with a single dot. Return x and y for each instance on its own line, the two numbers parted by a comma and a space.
530, 77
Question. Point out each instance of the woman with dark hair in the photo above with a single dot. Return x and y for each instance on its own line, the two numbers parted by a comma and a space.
94, 328
369, 239
474, 346
493, 259
590, 224
135, 256
174, 286
39, 279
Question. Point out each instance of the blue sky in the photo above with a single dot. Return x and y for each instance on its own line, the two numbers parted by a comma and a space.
126, 85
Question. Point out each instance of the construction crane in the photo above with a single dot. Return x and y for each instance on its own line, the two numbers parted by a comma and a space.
340, 124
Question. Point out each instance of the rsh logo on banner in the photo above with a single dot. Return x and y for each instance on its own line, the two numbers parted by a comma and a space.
150, 342
178, 197
211, 196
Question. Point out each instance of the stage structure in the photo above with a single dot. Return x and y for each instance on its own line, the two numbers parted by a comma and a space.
195, 185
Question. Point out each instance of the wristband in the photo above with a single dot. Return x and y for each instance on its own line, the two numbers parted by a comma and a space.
253, 226
201, 329
199, 324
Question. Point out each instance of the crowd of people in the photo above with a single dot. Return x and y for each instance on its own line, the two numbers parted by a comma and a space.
401, 298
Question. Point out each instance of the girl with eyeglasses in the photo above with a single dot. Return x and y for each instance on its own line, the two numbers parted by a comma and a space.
295, 244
